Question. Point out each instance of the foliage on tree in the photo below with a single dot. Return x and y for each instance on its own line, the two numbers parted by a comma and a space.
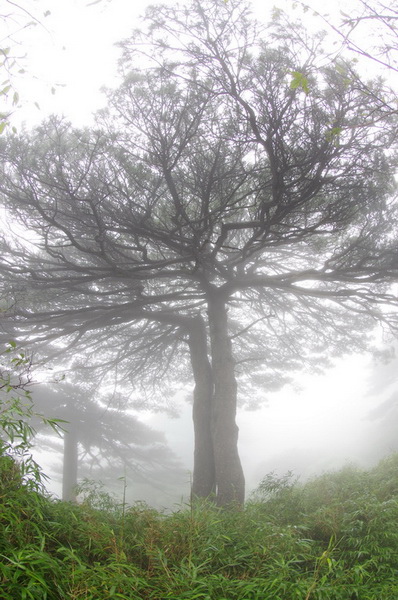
369, 30
235, 204
368, 34
14, 17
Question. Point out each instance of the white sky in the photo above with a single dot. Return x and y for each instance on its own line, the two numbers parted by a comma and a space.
73, 52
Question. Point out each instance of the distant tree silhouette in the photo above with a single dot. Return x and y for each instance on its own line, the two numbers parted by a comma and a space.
98, 435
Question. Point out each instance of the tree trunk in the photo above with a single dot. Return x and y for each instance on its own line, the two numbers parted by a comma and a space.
69, 472
229, 474
204, 479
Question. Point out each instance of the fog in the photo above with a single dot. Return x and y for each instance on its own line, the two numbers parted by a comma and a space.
349, 415
322, 422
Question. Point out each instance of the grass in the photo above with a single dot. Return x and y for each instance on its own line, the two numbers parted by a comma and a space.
332, 538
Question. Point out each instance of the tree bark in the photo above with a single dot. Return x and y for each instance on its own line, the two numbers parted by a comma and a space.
204, 478
229, 473
69, 471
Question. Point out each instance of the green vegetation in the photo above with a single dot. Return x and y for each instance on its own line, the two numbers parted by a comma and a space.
332, 538
17, 414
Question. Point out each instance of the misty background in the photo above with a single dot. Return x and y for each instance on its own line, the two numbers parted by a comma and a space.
349, 415
320, 422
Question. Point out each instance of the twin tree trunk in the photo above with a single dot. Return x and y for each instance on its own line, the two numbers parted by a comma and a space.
217, 467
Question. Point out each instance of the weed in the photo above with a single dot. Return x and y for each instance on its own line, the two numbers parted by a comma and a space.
339, 543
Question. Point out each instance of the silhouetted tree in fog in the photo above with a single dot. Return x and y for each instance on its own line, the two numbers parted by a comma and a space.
234, 205
97, 436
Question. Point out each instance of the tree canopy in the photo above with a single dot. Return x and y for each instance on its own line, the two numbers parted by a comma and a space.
235, 204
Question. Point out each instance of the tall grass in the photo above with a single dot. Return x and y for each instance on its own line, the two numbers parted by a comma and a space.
333, 538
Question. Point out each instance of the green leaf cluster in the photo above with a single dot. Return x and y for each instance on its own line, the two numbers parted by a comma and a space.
299, 82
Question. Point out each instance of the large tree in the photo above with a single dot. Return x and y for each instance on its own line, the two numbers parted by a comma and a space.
234, 204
